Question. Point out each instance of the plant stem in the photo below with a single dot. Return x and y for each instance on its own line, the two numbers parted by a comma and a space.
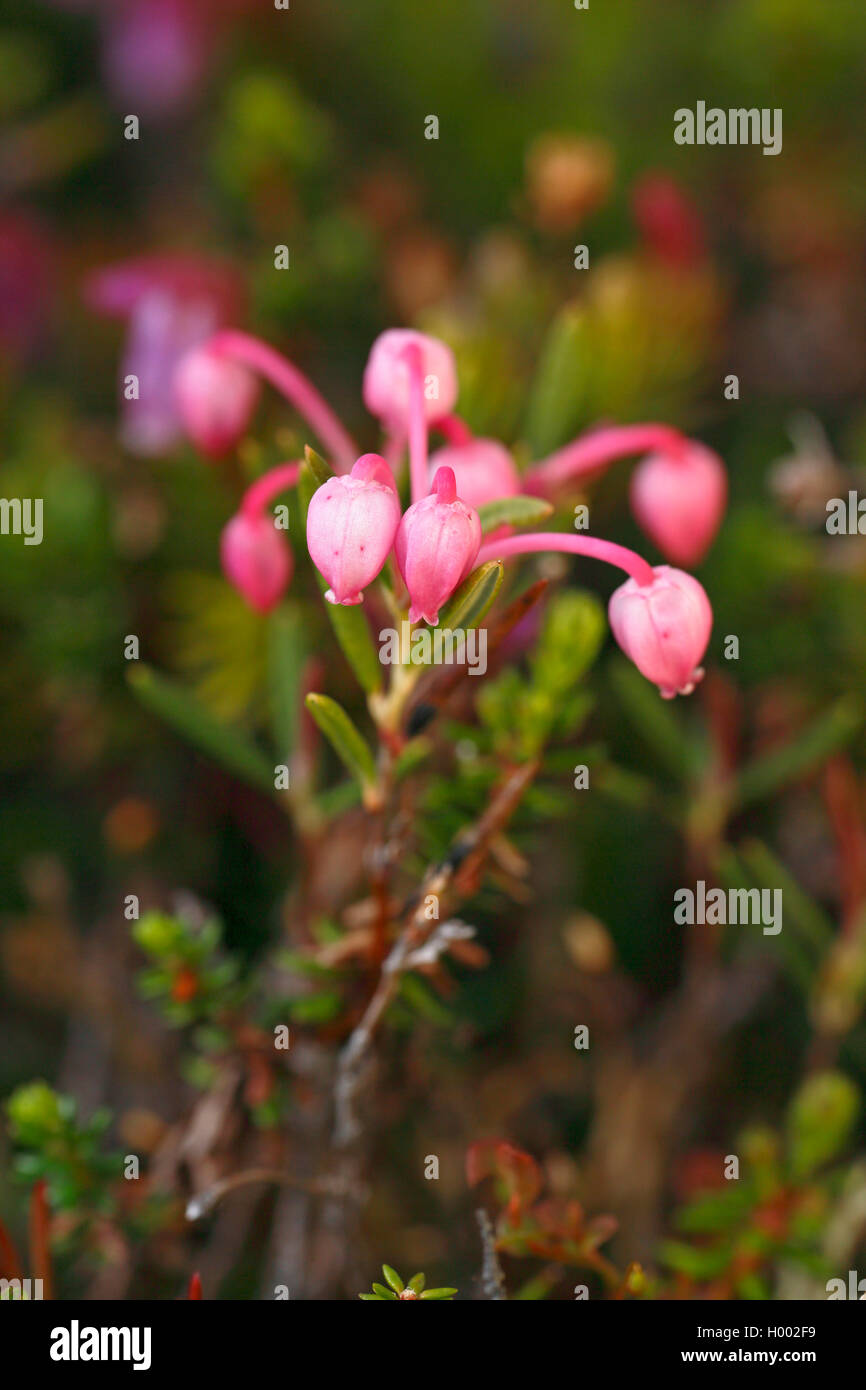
297, 389
263, 491
596, 449
417, 424
596, 549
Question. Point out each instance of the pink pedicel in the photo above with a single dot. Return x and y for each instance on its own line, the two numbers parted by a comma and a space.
256, 559
678, 499
351, 524
436, 546
664, 628
388, 377
215, 398
483, 468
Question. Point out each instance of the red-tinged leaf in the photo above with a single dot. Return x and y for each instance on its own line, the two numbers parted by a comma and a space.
194, 1291
40, 1239
516, 1173
10, 1265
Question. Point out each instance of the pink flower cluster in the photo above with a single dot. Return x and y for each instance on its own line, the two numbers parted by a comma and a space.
661, 617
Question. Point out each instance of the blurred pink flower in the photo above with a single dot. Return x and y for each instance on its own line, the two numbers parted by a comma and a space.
216, 398
172, 304
25, 283
483, 468
679, 499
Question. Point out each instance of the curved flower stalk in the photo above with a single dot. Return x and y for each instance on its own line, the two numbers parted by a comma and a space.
660, 617
298, 390
678, 492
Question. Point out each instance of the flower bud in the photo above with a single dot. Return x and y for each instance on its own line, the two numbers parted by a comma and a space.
483, 469
351, 523
256, 559
387, 377
679, 501
215, 399
437, 542
664, 628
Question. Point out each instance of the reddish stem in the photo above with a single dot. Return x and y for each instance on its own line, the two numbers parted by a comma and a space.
262, 492
608, 551
40, 1239
593, 451
417, 424
291, 383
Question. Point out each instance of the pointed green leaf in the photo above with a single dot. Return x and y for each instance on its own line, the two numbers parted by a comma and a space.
285, 665
417, 1282
822, 737
383, 1292
555, 400
320, 470
438, 1293
346, 741
514, 511
474, 597
393, 1278
188, 717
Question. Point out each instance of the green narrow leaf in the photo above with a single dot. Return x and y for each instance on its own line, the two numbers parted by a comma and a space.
822, 737
468, 606
654, 719
393, 1278
346, 741
188, 717
514, 511
285, 665
555, 398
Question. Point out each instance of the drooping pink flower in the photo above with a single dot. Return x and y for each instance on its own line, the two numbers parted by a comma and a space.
483, 468
437, 542
664, 628
678, 498
660, 617
172, 305
256, 559
351, 523
215, 398
388, 377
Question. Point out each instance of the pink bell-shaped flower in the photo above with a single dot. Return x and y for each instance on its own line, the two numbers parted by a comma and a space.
256, 559
387, 376
664, 628
215, 399
351, 523
483, 468
679, 500
437, 542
